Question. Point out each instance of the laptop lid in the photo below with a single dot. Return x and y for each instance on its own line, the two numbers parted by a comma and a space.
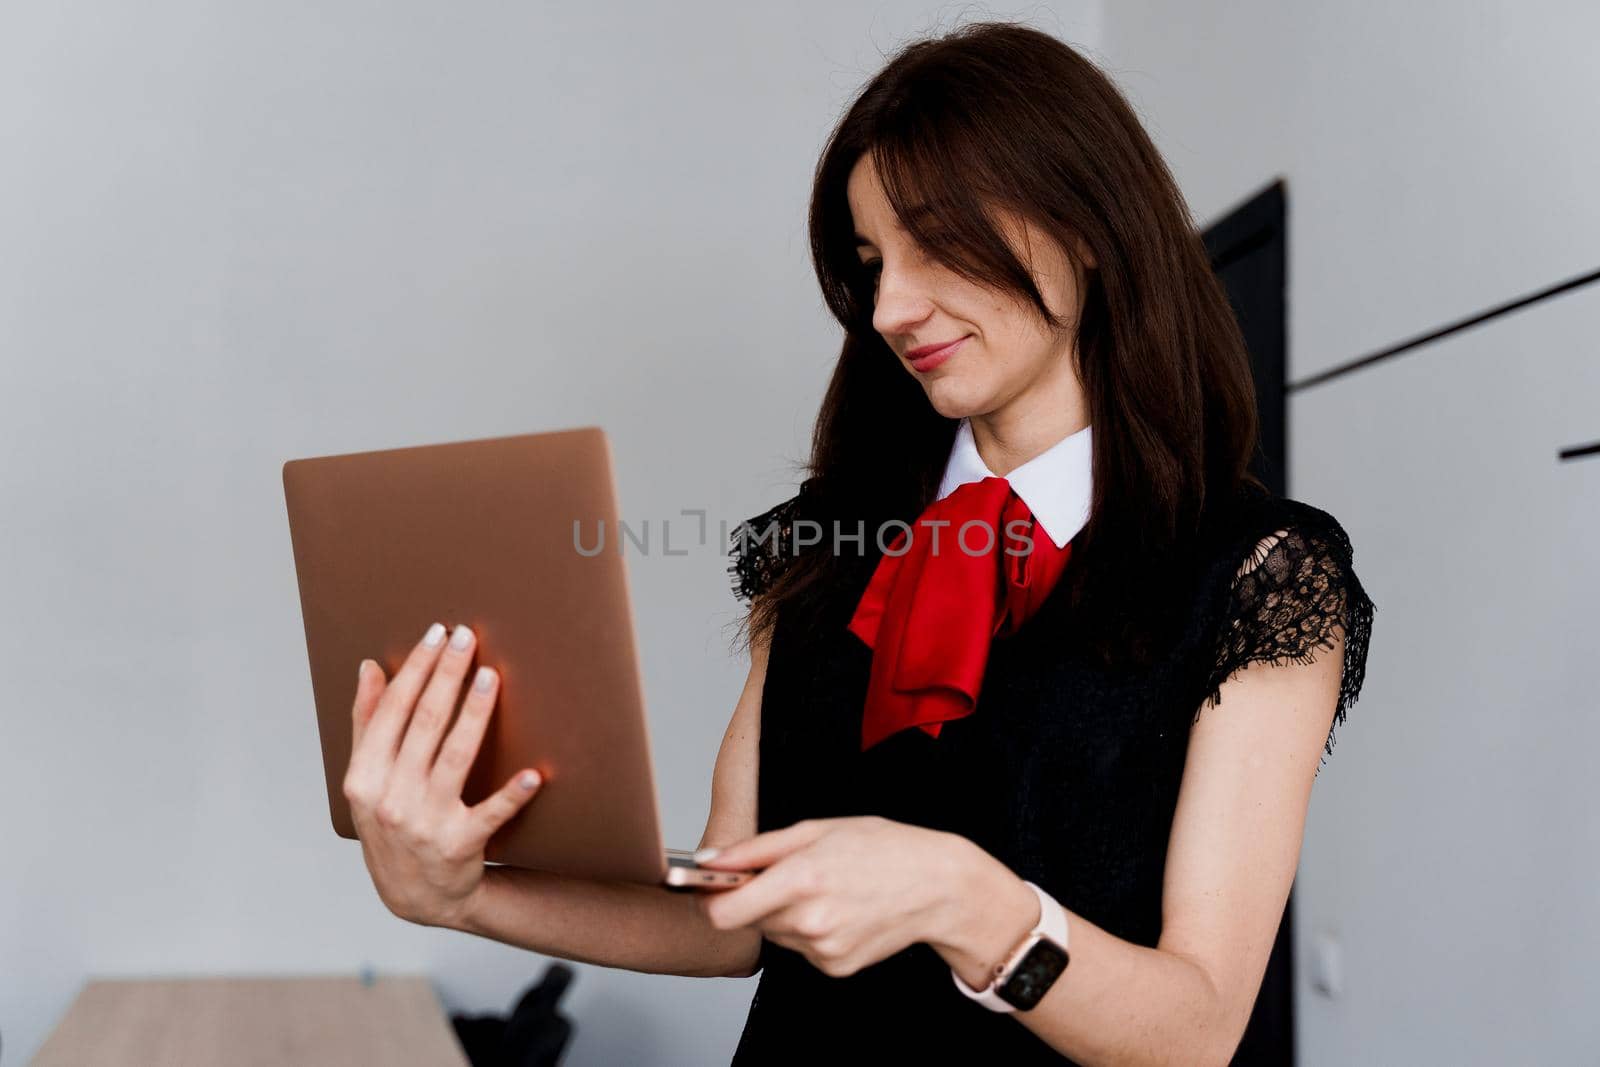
516, 537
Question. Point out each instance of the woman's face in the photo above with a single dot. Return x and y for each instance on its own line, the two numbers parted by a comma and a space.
1006, 351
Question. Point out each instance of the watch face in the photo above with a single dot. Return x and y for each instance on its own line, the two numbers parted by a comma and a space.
1033, 975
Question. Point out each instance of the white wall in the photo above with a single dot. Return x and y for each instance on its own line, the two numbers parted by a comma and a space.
238, 233
1439, 160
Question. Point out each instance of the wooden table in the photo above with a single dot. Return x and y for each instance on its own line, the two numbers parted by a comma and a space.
254, 1021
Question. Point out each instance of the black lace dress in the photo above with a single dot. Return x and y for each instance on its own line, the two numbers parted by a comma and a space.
1067, 772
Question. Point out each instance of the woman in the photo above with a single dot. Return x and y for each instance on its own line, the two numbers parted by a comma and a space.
1035, 346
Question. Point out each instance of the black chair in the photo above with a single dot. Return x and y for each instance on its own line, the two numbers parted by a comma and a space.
535, 1034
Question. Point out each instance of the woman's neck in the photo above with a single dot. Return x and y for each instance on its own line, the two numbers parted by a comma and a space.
1011, 435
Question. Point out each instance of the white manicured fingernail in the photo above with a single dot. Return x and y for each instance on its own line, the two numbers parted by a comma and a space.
701, 855
529, 779
461, 638
483, 679
434, 635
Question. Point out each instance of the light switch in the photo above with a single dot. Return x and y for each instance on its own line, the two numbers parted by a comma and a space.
1327, 966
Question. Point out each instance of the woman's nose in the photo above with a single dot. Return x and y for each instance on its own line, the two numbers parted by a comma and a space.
901, 304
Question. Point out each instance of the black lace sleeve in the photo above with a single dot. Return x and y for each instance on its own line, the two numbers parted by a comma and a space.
760, 547
1288, 599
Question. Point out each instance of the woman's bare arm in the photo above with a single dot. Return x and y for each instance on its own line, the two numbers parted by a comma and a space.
1233, 849
625, 924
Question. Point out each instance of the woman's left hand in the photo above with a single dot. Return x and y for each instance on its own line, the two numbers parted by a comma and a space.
844, 892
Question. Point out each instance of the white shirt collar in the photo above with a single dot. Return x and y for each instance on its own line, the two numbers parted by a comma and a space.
1057, 484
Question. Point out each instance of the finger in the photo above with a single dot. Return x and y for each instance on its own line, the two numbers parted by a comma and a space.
369, 687
394, 706
772, 890
435, 706
763, 850
461, 745
783, 925
492, 812
362, 778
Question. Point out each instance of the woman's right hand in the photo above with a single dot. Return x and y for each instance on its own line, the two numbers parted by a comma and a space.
423, 846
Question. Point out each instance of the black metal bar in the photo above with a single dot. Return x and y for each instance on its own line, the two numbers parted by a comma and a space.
1444, 331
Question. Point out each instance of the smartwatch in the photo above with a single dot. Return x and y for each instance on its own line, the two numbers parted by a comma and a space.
1028, 971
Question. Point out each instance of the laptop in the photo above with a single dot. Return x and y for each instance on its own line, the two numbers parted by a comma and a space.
516, 537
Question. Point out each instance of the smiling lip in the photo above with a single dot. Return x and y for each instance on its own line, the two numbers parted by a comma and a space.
931, 358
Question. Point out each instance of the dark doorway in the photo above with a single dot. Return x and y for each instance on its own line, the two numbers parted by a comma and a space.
1248, 249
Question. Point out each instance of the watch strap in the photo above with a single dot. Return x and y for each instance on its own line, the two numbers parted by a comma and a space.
1052, 924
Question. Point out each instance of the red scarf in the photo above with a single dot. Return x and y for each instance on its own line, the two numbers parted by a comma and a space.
930, 611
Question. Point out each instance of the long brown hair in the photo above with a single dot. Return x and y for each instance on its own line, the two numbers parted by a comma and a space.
998, 114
